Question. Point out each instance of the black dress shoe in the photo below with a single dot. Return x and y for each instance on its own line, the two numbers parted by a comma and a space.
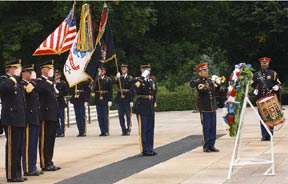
51, 168
207, 150
33, 173
81, 135
16, 180
60, 135
213, 149
149, 153
265, 139
102, 134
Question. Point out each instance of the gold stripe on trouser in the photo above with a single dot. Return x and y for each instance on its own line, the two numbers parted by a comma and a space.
42, 144
9, 154
201, 117
27, 149
64, 117
140, 132
130, 126
108, 119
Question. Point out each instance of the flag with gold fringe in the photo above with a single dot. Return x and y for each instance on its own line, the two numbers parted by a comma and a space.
80, 53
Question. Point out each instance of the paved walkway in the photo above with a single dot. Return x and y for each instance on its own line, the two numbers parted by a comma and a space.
180, 160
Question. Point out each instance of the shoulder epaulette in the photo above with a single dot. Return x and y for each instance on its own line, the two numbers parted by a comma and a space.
39, 79
3, 77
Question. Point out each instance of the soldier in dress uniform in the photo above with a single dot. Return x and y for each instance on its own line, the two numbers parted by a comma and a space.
80, 99
32, 132
13, 118
103, 97
265, 82
48, 115
61, 89
145, 89
124, 98
207, 106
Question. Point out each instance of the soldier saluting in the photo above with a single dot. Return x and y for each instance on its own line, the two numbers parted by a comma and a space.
32, 131
13, 118
48, 116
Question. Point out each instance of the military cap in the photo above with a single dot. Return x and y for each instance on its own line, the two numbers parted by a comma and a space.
11, 63
103, 68
146, 66
124, 66
58, 72
202, 66
47, 64
264, 60
28, 68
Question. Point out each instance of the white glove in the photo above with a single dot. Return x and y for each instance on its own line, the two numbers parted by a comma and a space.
109, 104
17, 72
214, 77
131, 104
275, 88
255, 92
56, 90
33, 75
85, 104
118, 75
218, 81
145, 73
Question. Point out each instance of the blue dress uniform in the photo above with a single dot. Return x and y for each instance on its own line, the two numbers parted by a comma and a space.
207, 107
123, 101
48, 118
264, 81
145, 89
32, 132
80, 95
103, 94
13, 120
62, 88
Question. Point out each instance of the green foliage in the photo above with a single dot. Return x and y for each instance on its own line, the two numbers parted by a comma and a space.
182, 99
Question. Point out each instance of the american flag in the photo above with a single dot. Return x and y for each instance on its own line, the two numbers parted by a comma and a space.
61, 39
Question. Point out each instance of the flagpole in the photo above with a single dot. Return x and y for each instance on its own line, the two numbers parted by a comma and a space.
119, 79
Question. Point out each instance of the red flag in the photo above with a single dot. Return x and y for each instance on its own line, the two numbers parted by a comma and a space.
61, 39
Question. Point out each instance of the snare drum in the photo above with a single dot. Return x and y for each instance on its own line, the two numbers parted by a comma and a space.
270, 110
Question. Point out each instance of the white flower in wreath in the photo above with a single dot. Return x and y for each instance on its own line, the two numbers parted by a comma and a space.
231, 99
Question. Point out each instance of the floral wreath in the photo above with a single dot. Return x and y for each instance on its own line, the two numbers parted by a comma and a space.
239, 78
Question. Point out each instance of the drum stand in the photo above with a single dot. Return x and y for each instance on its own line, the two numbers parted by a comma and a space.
236, 159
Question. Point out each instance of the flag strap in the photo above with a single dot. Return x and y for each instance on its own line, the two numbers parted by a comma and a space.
119, 80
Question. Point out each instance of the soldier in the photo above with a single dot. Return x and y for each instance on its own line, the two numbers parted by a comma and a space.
80, 98
124, 98
207, 106
13, 118
32, 132
265, 81
61, 89
145, 89
48, 116
103, 97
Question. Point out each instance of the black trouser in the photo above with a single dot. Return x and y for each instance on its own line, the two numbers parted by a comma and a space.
47, 142
14, 136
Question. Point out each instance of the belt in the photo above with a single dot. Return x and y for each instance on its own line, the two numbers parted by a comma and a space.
145, 96
102, 91
125, 90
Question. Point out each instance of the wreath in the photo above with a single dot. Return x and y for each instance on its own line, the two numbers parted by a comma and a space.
239, 78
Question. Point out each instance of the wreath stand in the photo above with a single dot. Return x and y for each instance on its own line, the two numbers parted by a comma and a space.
236, 159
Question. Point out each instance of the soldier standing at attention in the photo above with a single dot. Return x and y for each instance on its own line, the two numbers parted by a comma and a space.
124, 98
61, 90
13, 118
80, 97
145, 89
32, 132
103, 97
48, 116
265, 81
207, 106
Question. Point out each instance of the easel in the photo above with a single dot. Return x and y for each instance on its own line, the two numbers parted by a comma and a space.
236, 159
